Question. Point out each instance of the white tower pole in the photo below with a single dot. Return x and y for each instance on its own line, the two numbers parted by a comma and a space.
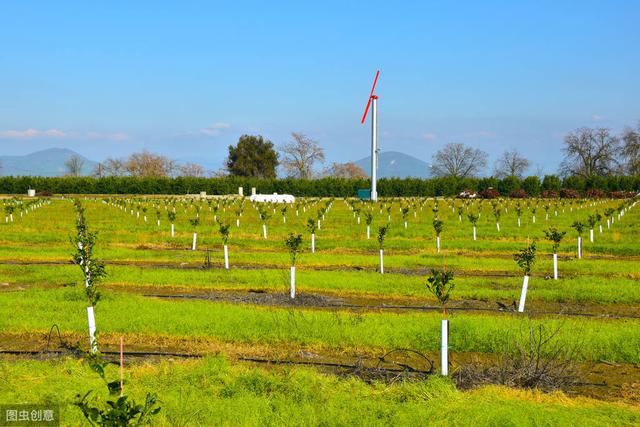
374, 147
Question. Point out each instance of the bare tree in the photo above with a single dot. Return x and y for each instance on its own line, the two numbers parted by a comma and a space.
149, 164
458, 160
590, 152
631, 150
511, 163
99, 171
219, 173
191, 169
300, 156
346, 170
74, 165
114, 167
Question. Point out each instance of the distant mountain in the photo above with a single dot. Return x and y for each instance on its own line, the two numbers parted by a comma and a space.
395, 164
42, 163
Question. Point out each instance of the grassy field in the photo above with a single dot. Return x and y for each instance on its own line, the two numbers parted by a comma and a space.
163, 297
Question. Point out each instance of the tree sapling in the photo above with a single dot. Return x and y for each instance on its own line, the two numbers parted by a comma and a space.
171, 215
579, 227
555, 236
194, 224
368, 218
223, 229
437, 227
311, 226
293, 242
382, 233
473, 219
440, 284
525, 260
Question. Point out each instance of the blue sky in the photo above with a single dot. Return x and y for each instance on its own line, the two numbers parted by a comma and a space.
187, 78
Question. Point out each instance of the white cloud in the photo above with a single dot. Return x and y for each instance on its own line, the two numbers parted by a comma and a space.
215, 129
596, 117
32, 133
429, 136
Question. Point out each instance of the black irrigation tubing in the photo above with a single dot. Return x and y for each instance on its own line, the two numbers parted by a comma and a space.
250, 359
196, 356
414, 308
328, 365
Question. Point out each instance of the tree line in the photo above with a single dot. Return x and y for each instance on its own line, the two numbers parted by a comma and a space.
252, 156
533, 186
586, 153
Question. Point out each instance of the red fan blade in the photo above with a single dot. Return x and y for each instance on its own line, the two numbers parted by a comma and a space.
366, 110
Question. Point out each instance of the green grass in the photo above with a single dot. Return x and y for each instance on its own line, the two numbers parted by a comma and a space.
36, 310
582, 289
212, 392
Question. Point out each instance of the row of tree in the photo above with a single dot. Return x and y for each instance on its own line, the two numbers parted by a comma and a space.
143, 164
587, 153
252, 156
321, 187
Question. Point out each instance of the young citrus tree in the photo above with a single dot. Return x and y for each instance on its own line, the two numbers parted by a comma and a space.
92, 269
293, 243
473, 219
437, 227
382, 233
496, 214
311, 226
368, 218
591, 220
579, 227
555, 236
264, 216
405, 214
223, 229
525, 260
194, 225
440, 284
171, 215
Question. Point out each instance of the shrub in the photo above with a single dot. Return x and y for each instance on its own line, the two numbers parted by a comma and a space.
489, 193
519, 194
594, 193
568, 193
509, 184
531, 185
622, 194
